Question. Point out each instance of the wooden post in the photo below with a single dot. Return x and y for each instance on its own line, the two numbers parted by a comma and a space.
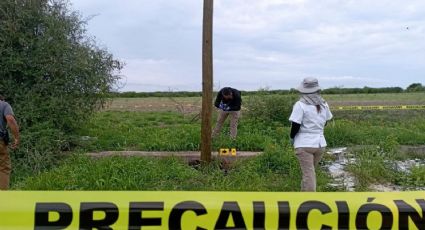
207, 81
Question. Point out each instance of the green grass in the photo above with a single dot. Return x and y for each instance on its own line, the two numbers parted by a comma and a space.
193, 104
166, 131
372, 166
413, 179
383, 97
169, 131
275, 170
417, 98
345, 132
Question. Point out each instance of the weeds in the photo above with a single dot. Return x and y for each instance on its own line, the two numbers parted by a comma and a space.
167, 131
376, 165
372, 166
266, 130
276, 170
270, 108
413, 179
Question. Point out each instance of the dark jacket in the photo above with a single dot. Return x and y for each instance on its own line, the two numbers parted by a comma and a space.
231, 105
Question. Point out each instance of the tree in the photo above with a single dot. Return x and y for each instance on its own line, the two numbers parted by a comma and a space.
50, 70
415, 87
53, 74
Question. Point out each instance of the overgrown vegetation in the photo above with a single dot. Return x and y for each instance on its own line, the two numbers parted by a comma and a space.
276, 170
56, 78
165, 132
168, 131
379, 165
413, 179
270, 108
52, 73
372, 166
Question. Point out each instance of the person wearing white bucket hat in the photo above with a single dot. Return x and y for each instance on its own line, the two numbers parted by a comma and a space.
309, 117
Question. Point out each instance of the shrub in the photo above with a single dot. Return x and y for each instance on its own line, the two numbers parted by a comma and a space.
52, 73
270, 108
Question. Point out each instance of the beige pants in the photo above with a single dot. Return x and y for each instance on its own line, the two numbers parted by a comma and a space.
5, 167
309, 159
234, 117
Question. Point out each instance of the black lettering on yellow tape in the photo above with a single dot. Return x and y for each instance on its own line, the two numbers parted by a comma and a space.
42, 211
178, 211
380, 107
136, 221
406, 211
284, 215
211, 210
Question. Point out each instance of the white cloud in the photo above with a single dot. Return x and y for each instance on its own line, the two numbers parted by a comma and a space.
158, 74
260, 43
255, 16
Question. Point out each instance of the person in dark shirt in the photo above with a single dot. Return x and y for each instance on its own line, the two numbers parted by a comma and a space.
228, 102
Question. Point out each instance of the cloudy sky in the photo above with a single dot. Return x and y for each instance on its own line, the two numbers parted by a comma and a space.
262, 43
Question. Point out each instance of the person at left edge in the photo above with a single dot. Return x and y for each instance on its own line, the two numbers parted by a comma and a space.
228, 101
6, 118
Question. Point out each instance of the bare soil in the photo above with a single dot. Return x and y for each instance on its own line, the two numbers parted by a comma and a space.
185, 155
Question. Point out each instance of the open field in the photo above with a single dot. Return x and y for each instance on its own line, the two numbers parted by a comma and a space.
156, 104
161, 124
193, 104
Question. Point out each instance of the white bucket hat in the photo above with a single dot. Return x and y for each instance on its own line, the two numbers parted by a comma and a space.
309, 85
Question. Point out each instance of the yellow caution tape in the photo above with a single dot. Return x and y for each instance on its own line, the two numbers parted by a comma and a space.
380, 107
211, 210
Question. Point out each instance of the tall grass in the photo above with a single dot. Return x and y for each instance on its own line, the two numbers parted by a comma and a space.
413, 179
167, 131
372, 166
276, 170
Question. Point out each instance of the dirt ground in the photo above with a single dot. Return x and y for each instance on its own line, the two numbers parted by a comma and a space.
188, 105
186, 155
156, 104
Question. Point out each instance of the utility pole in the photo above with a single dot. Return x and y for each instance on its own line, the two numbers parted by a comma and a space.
207, 81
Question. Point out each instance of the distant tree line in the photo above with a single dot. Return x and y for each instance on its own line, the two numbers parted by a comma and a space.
364, 90
415, 87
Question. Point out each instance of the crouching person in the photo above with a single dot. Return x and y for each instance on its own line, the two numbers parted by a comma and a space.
228, 102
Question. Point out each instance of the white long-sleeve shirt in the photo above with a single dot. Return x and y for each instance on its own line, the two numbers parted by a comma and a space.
312, 125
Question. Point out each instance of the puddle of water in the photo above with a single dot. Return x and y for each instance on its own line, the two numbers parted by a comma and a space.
345, 180
405, 166
341, 178
385, 188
